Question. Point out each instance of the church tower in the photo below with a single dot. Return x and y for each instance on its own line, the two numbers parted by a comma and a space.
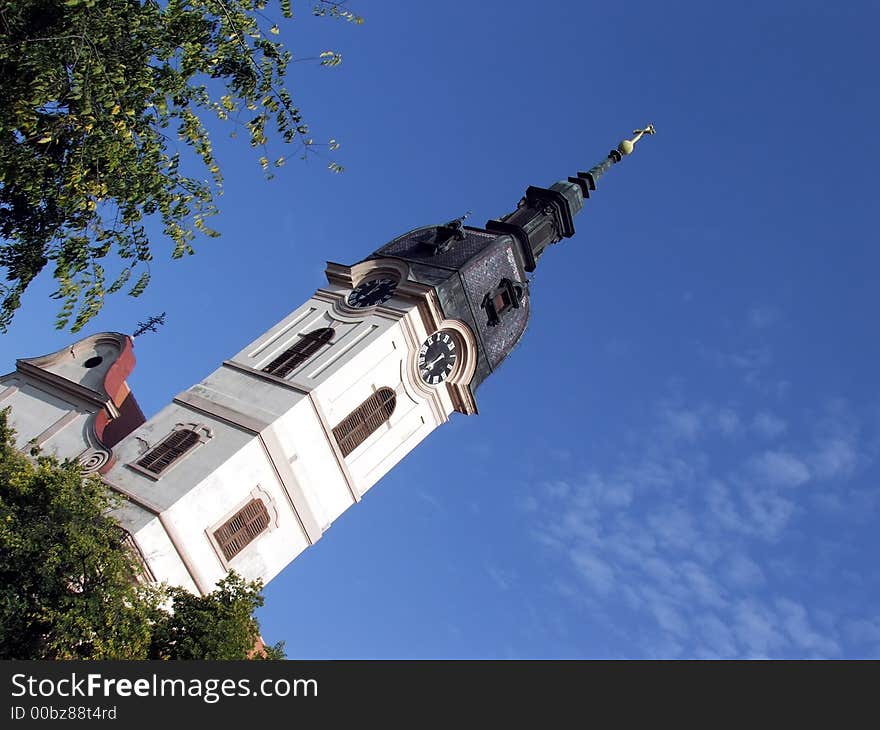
251, 466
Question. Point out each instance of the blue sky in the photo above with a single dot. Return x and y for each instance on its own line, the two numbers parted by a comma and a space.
680, 458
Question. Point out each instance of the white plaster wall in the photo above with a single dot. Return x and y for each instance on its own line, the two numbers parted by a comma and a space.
188, 471
352, 332
72, 367
208, 485
33, 411
155, 545
248, 394
222, 493
71, 439
314, 463
381, 361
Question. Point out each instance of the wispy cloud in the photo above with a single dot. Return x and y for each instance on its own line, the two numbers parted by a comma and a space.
763, 316
703, 547
779, 468
503, 579
768, 425
835, 458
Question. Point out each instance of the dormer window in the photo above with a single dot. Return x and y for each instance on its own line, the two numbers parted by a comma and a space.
506, 296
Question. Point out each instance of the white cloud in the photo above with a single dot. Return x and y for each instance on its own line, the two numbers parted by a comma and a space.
768, 512
780, 468
598, 574
701, 585
742, 572
673, 527
503, 579
756, 629
683, 423
864, 630
761, 317
557, 489
768, 425
723, 509
801, 632
728, 422
689, 532
717, 636
835, 459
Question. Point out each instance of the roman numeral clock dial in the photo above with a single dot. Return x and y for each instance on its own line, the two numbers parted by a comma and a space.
437, 357
372, 292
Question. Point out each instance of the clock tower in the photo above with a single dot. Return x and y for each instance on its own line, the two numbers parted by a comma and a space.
246, 469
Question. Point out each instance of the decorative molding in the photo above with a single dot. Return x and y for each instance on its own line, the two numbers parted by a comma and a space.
409, 376
8, 391
220, 412
281, 333
342, 348
177, 541
268, 502
349, 277
94, 459
457, 383
59, 425
334, 447
135, 499
92, 397
248, 370
290, 486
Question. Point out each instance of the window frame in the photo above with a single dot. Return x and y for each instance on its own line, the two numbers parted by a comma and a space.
508, 295
260, 515
202, 433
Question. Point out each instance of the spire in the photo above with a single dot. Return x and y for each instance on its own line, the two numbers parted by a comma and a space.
545, 215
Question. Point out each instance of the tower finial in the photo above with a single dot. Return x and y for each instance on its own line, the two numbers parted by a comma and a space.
627, 145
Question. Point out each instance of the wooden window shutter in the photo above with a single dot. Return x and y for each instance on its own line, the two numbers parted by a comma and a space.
295, 356
364, 420
240, 529
170, 450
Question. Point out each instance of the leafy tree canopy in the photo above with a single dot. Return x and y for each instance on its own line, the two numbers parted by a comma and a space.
96, 96
67, 578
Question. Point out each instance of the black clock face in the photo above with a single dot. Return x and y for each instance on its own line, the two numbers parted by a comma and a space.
437, 357
373, 292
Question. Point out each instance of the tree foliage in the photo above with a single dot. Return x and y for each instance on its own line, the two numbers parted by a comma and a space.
101, 99
67, 578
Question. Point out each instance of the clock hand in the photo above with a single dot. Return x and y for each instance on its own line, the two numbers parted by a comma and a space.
431, 366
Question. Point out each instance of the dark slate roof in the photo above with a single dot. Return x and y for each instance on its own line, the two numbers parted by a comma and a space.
462, 276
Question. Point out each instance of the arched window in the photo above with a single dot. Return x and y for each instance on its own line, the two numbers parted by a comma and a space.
240, 529
363, 420
295, 356
175, 445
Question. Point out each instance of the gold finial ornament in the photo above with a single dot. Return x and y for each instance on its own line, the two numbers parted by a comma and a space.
626, 147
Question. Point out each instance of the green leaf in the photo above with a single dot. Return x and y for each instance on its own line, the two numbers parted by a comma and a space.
90, 154
140, 285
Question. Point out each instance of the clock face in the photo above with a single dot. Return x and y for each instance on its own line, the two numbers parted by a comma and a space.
437, 357
373, 292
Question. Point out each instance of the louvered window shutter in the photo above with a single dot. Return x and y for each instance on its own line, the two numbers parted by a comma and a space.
242, 528
309, 344
364, 420
166, 453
